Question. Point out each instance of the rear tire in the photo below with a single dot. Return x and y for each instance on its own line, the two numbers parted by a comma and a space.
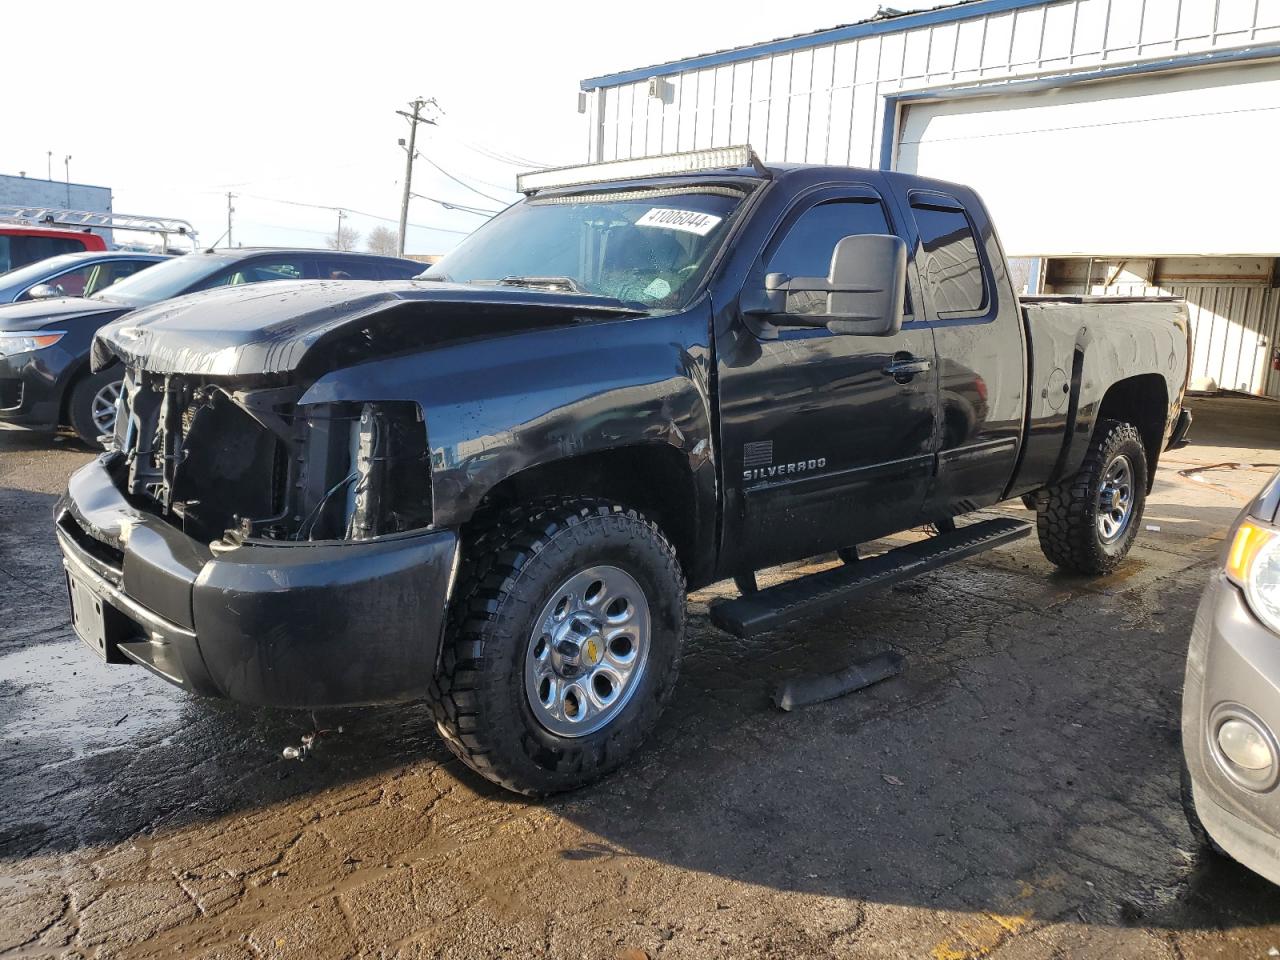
506, 693
1087, 524
91, 406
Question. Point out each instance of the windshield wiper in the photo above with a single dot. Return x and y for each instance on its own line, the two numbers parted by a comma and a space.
551, 283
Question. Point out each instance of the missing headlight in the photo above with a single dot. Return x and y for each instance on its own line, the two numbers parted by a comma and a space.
366, 472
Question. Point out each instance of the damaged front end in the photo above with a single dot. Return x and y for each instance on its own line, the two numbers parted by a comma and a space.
241, 544
228, 464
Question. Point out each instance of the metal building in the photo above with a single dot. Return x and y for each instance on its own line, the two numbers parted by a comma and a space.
38, 192
1122, 145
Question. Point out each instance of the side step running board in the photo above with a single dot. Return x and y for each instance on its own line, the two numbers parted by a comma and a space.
776, 606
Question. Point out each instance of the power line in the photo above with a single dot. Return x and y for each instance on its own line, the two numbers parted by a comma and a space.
464, 208
511, 159
333, 209
494, 154
463, 183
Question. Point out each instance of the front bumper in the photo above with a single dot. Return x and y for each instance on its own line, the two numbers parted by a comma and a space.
303, 624
32, 386
1233, 661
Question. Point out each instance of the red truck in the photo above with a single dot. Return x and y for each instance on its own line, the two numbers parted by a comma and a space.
20, 244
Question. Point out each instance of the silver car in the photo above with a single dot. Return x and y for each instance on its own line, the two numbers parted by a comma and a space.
1231, 701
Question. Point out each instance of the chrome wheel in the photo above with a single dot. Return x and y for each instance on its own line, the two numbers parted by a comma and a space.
1115, 499
102, 409
587, 651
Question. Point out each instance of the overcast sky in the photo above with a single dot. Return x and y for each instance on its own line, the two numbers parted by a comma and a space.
172, 105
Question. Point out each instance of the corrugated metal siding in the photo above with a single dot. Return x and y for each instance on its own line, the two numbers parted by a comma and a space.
825, 104
1234, 331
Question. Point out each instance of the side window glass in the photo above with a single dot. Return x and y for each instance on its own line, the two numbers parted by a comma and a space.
952, 268
73, 283
265, 270
810, 241
111, 271
260, 271
353, 269
401, 271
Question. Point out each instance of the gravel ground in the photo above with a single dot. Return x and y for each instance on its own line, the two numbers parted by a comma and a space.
1013, 794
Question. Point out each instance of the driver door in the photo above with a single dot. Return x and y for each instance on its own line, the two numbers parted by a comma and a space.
823, 445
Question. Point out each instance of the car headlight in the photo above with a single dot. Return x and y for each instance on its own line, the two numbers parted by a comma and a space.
1254, 564
24, 341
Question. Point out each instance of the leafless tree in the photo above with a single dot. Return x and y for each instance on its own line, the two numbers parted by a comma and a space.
344, 238
384, 241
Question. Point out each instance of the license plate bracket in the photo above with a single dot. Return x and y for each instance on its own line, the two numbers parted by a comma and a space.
88, 616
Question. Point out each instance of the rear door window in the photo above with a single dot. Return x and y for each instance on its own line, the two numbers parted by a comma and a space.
952, 267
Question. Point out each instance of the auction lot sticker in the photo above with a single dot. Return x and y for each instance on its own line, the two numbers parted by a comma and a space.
686, 221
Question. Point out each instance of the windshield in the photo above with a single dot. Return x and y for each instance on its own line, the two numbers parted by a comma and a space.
162, 281
650, 247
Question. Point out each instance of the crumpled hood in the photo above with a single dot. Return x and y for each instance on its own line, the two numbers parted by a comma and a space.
268, 328
40, 314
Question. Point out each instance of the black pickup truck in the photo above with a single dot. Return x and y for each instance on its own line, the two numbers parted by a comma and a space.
492, 486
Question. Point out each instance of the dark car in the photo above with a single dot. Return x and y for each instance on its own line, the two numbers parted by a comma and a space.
73, 274
45, 380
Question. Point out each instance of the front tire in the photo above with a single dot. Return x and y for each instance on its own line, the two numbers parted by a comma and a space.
91, 408
563, 646
1087, 524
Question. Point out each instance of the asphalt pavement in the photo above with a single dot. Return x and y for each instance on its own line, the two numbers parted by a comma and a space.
1013, 794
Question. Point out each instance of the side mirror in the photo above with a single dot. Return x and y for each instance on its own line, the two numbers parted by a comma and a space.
868, 285
864, 292
43, 291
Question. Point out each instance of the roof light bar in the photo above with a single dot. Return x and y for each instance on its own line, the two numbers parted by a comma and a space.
688, 162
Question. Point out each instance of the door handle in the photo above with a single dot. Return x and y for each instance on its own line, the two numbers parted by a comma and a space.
903, 368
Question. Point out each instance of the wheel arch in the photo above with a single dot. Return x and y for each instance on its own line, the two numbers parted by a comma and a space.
1143, 401
78, 373
655, 478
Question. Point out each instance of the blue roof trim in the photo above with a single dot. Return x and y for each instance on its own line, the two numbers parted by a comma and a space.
868, 28
1208, 58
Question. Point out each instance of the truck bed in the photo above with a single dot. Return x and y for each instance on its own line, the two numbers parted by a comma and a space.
1077, 347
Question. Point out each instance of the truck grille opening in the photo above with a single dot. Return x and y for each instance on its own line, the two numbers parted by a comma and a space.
231, 464
233, 468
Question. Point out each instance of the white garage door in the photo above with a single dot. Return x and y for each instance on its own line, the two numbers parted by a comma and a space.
1177, 163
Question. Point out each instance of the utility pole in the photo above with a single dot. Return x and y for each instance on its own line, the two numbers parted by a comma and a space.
67, 163
50, 158
414, 119
230, 211
337, 237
